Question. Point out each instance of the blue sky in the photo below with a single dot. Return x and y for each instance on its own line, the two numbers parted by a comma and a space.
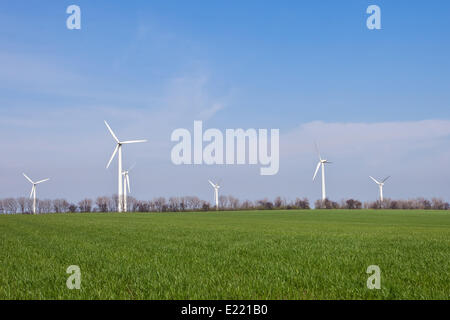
377, 101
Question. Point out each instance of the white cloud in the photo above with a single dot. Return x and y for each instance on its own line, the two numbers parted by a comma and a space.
354, 138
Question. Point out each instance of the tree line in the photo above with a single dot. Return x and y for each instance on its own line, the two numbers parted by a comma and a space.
192, 203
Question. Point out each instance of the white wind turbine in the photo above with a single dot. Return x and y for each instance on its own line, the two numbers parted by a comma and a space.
322, 163
33, 190
119, 150
126, 181
216, 193
380, 185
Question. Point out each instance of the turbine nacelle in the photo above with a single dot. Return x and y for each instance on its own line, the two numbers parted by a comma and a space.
119, 143
33, 190
321, 163
126, 178
380, 183
214, 185
121, 174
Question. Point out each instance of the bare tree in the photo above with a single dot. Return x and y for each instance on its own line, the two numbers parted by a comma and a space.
22, 203
173, 204
57, 206
437, 204
326, 204
135, 205
183, 203
113, 203
205, 206
85, 205
60, 206
160, 204
302, 203
246, 205
10, 205
195, 203
45, 206
264, 204
142, 206
223, 202
151, 206
102, 203
131, 204
233, 202
277, 203
29, 206
65, 206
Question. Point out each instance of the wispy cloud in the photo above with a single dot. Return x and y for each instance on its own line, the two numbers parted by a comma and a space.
356, 138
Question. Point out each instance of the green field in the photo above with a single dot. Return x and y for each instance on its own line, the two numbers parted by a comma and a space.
227, 255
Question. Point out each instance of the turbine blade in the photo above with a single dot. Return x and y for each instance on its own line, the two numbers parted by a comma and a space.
317, 170
112, 157
134, 164
112, 132
210, 182
32, 190
27, 178
317, 150
42, 181
386, 179
374, 179
133, 141
128, 183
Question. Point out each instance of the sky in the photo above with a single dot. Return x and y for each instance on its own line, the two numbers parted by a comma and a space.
377, 102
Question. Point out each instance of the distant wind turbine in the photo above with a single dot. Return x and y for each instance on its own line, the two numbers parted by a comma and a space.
216, 193
380, 185
322, 163
119, 150
33, 190
126, 181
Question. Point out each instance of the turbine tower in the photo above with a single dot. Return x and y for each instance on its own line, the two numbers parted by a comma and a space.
216, 193
33, 190
126, 182
380, 185
321, 163
118, 149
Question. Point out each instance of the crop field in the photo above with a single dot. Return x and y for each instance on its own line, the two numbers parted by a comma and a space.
314, 254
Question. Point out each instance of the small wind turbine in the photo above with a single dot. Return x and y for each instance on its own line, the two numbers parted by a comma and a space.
322, 163
126, 181
216, 193
119, 149
33, 190
380, 185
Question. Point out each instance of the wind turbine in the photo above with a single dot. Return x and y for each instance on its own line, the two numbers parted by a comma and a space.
126, 181
322, 163
216, 193
118, 149
33, 190
380, 185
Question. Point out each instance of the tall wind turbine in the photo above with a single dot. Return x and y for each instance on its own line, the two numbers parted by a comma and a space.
321, 163
126, 181
33, 190
216, 193
380, 185
118, 149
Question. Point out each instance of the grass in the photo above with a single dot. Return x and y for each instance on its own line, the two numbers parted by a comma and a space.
227, 255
